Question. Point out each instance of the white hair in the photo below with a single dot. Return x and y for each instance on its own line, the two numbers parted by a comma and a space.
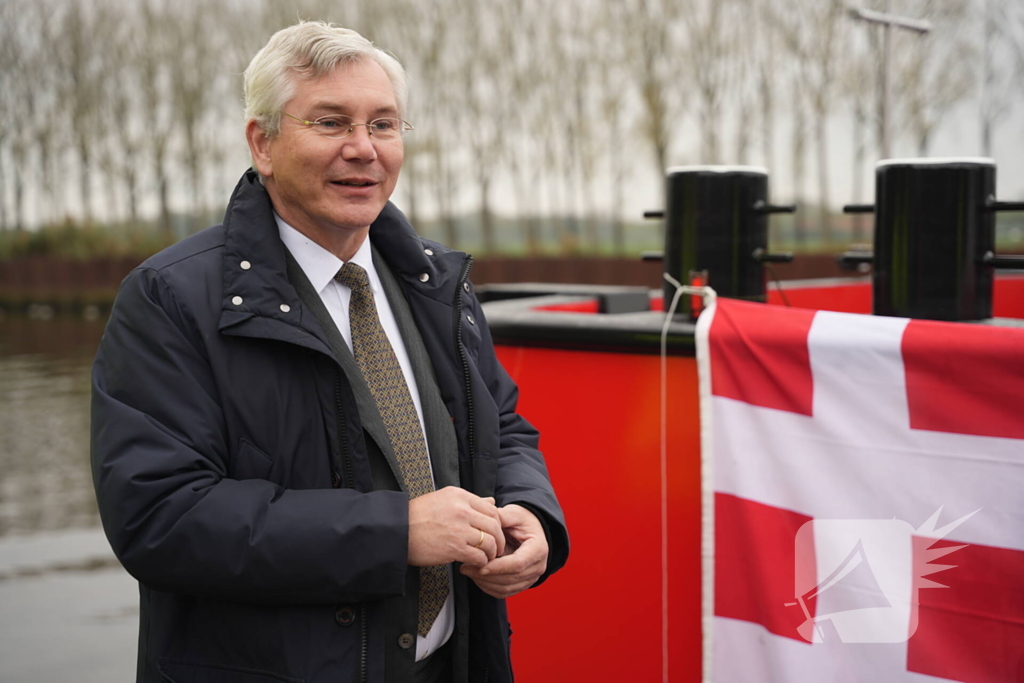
308, 50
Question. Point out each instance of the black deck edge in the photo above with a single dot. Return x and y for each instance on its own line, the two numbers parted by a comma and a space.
524, 290
516, 322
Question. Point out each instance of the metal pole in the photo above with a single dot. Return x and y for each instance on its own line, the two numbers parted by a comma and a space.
886, 93
888, 22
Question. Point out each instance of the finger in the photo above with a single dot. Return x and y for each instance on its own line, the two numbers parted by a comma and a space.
531, 574
502, 581
488, 524
456, 493
515, 515
509, 515
480, 537
477, 552
473, 558
490, 527
485, 506
525, 556
519, 522
485, 542
505, 589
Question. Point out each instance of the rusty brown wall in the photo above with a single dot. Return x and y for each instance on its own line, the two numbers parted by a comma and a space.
47, 279
621, 271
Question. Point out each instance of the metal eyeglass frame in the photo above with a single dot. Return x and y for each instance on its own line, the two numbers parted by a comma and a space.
402, 129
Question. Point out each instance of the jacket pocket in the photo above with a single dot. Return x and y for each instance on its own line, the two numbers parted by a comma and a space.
183, 672
250, 462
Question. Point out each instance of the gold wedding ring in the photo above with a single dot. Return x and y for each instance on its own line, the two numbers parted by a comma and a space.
481, 541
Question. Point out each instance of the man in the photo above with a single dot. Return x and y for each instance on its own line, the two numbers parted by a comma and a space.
303, 446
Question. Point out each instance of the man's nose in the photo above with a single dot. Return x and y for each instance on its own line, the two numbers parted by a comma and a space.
358, 145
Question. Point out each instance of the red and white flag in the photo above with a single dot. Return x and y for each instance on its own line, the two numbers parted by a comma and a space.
837, 449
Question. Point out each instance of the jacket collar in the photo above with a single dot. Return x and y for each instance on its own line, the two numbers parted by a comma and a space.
255, 269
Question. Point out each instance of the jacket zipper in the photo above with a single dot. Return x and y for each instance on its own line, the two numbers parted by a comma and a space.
348, 480
347, 462
465, 375
362, 644
462, 352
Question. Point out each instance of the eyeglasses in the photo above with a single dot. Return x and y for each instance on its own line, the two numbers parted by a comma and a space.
339, 126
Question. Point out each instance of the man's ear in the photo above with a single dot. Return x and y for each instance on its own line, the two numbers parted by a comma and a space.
259, 148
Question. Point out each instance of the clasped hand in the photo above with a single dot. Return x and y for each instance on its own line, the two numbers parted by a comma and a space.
503, 550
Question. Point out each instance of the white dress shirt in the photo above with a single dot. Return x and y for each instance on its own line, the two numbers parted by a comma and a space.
320, 267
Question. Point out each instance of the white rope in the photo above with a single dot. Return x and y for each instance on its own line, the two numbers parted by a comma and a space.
707, 490
708, 296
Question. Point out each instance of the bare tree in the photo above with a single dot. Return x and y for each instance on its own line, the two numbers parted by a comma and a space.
935, 70
611, 110
424, 51
581, 119
79, 59
481, 117
411, 41
1015, 29
193, 73
857, 80
9, 63
153, 60
798, 138
814, 35
122, 108
656, 61
766, 54
527, 121
49, 111
997, 73
28, 95
745, 90
570, 122
711, 42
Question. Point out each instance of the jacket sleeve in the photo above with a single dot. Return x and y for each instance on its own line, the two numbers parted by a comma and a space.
173, 517
522, 476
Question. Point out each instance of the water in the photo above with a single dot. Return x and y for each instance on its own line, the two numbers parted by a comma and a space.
68, 611
45, 482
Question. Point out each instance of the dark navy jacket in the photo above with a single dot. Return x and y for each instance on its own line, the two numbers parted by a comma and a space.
229, 488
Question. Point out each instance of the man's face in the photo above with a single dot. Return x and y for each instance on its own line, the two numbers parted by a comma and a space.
319, 185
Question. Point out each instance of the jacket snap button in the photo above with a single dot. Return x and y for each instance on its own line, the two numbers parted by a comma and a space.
405, 641
285, 308
428, 252
237, 300
465, 286
470, 319
345, 615
335, 480
424, 277
245, 265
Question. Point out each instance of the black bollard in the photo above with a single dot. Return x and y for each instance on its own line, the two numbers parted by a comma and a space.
933, 229
716, 221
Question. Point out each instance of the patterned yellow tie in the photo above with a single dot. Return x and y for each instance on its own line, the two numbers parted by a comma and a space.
379, 365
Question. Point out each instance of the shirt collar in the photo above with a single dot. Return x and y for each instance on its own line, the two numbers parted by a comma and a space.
320, 265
